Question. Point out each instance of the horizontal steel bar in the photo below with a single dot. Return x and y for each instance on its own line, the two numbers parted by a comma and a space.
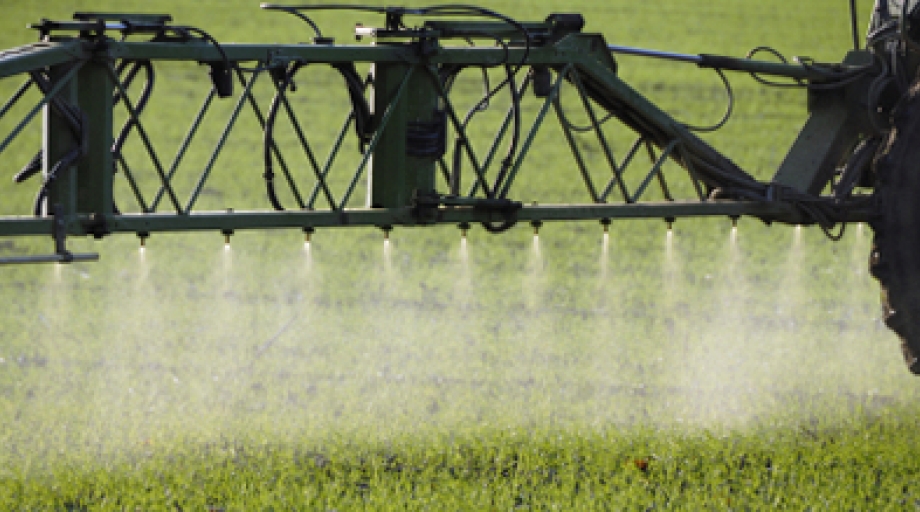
773, 211
733, 63
203, 51
244, 220
199, 51
655, 54
49, 258
779, 212
25, 226
40, 55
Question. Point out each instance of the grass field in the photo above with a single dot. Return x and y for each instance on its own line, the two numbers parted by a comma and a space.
709, 370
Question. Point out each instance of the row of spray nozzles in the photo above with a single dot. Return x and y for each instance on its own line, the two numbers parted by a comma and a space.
464, 229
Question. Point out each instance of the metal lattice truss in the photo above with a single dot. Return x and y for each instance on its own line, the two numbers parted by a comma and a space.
424, 158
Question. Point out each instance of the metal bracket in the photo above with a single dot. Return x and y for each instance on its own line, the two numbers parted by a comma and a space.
61, 254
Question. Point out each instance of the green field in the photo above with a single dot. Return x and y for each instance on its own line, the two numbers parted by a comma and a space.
712, 370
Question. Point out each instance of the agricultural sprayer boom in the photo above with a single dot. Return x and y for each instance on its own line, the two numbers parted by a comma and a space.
426, 156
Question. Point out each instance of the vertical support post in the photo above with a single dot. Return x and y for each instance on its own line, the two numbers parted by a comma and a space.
401, 170
829, 131
58, 140
95, 169
854, 25
837, 120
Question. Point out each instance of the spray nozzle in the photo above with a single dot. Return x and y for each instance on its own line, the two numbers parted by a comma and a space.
670, 222
227, 234
734, 219
143, 236
464, 228
606, 223
386, 231
537, 224
308, 234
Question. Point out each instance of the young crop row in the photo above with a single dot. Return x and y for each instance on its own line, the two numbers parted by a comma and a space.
864, 464
710, 368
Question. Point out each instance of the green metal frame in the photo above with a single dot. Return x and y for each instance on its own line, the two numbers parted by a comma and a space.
85, 77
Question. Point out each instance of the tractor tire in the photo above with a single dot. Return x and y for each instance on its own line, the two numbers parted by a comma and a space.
895, 257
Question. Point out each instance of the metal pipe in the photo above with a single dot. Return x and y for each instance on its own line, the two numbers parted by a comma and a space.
183, 147
642, 52
49, 258
206, 172
854, 24
45, 100
16, 97
728, 63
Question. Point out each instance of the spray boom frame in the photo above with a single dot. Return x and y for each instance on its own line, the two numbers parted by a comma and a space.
417, 156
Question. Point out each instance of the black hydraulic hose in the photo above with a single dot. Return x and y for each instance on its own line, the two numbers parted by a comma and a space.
35, 165
729, 108
39, 203
364, 126
76, 122
499, 228
295, 12
32, 168
63, 163
452, 10
483, 104
126, 82
480, 106
508, 161
268, 135
209, 38
360, 108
